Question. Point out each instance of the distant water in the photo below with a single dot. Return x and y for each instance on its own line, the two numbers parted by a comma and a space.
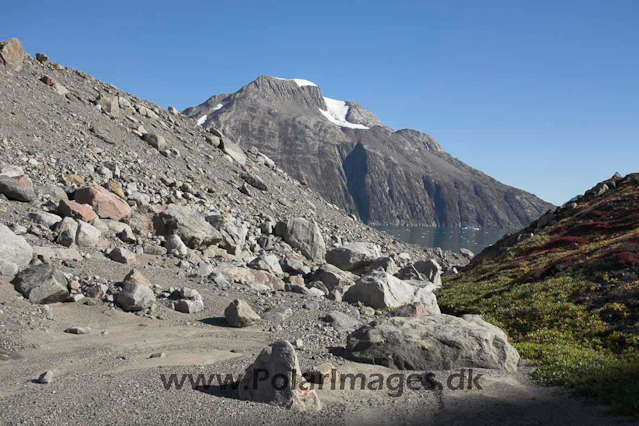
447, 238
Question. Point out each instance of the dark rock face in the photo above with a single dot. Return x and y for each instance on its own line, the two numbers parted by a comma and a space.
399, 177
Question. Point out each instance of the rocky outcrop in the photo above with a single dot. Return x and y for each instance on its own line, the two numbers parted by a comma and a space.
386, 177
439, 342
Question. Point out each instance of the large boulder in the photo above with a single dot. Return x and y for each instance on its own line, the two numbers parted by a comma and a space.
88, 235
240, 314
106, 204
156, 141
284, 386
233, 232
430, 270
14, 249
188, 224
12, 54
84, 212
233, 150
190, 301
353, 256
439, 342
333, 277
42, 284
136, 294
305, 236
19, 189
381, 290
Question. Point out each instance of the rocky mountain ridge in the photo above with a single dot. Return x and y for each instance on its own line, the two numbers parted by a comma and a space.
346, 154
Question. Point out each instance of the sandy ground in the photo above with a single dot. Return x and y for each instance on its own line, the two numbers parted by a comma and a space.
107, 377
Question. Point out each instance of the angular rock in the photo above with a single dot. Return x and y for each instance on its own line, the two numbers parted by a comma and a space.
333, 277
277, 314
106, 204
380, 290
156, 141
188, 224
67, 230
431, 271
254, 181
190, 301
304, 236
174, 245
341, 321
136, 295
285, 386
353, 256
385, 263
12, 54
260, 280
466, 253
45, 219
83, 212
239, 314
19, 189
122, 255
88, 235
14, 249
439, 342
45, 378
233, 150
42, 284
233, 232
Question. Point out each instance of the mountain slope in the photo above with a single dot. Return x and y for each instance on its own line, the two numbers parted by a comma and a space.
567, 290
345, 153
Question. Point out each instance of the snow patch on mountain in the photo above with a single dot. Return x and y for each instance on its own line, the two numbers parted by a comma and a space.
336, 114
300, 82
202, 120
218, 106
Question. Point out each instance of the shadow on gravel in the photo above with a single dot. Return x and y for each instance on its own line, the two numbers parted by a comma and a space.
227, 391
217, 321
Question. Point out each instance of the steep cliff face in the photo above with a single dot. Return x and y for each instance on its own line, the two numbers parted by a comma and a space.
345, 153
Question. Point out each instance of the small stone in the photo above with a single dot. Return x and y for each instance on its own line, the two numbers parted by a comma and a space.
45, 378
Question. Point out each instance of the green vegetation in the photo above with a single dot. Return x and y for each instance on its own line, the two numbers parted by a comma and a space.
568, 302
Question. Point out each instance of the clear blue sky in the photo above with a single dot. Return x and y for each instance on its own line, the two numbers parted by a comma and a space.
542, 95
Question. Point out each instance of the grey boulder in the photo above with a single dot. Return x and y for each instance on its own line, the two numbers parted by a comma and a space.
14, 249
305, 236
285, 386
42, 284
136, 295
380, 290
240, 314
439, 342
353, 256
16, 189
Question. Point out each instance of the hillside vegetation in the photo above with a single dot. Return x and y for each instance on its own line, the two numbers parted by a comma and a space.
566, 290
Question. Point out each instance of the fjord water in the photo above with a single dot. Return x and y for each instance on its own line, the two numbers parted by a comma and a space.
447, 238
